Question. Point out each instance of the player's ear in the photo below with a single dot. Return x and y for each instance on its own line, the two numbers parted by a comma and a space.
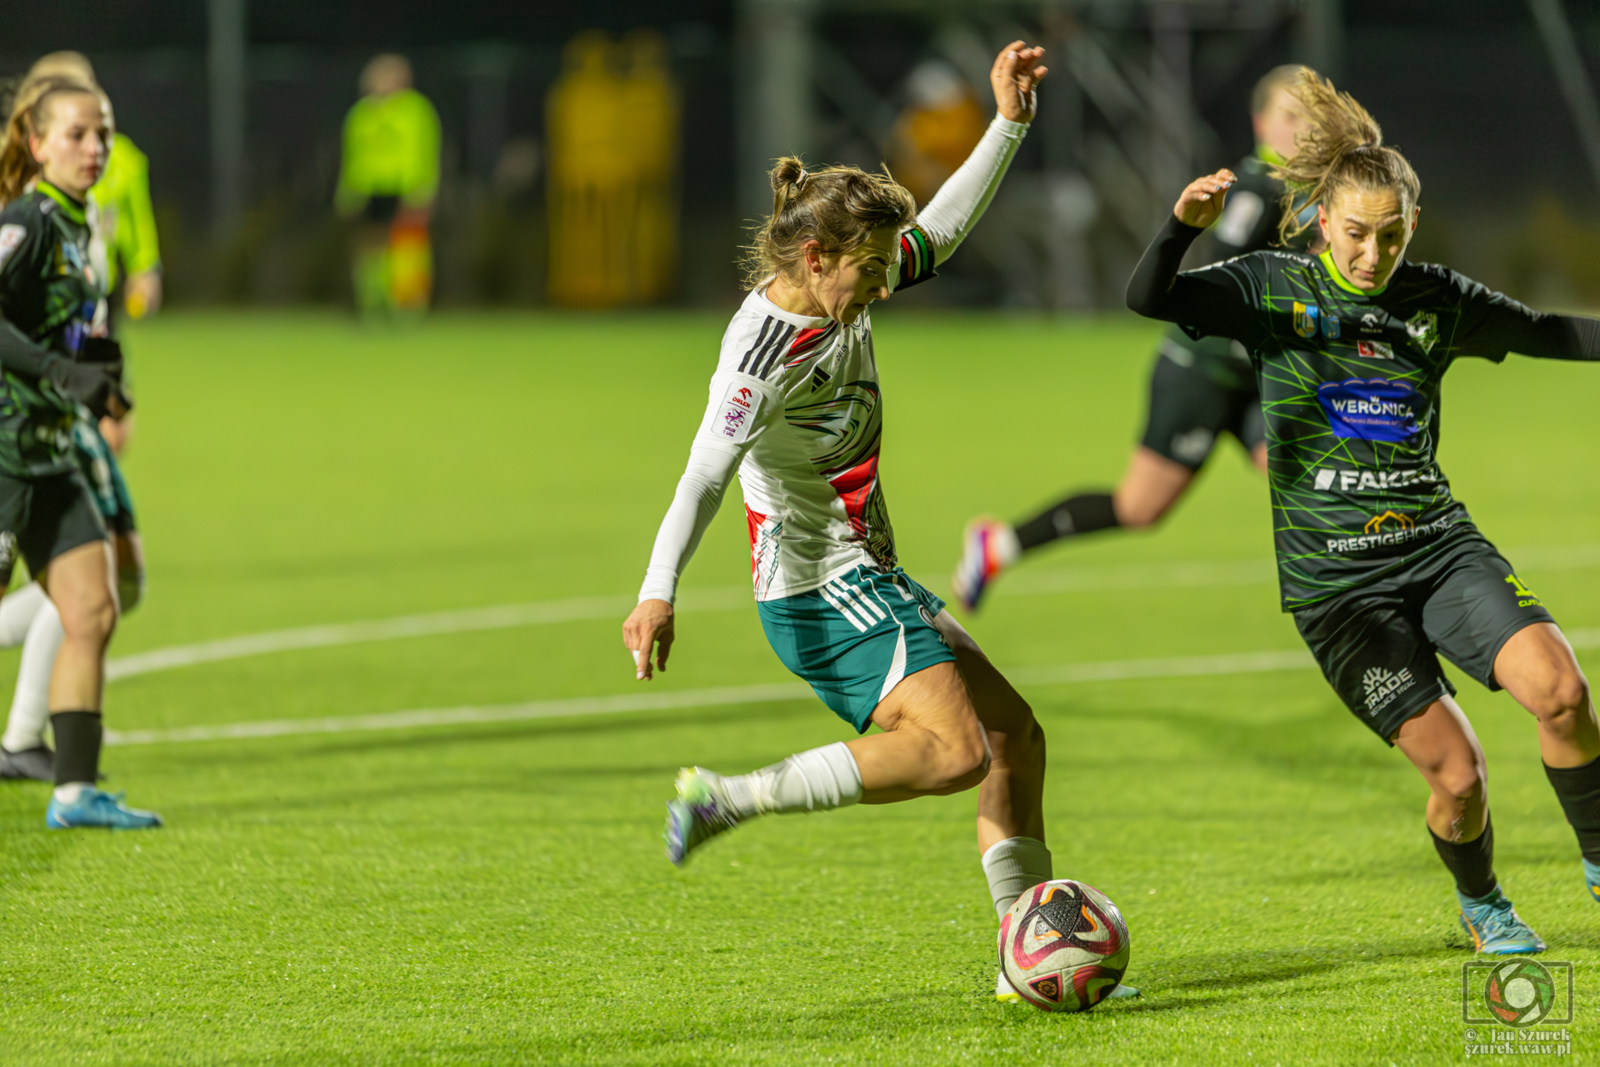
1416, 213
1322, 222
811, 250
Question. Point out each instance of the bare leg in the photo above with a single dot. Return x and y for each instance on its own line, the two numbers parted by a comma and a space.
1440, 743
932, 742
1152, 485
1258, 456
1537, 667
80, 582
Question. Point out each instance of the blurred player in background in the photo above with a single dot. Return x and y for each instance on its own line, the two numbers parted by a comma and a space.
941, 124
1199, 388
60, 368
795, 408
388, 178
122, 234
1381, 566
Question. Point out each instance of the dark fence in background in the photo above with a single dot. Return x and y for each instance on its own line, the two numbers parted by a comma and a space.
1466, 88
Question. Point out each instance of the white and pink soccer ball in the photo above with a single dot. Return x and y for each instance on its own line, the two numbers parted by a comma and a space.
1063, 946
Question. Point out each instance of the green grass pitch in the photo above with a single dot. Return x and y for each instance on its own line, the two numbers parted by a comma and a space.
496, 893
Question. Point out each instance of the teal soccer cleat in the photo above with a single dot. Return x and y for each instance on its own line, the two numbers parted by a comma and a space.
1496, 928
1591, 874
97, 809
699, 813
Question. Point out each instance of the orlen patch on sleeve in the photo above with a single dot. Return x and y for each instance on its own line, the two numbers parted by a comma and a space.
736, 414
11, 235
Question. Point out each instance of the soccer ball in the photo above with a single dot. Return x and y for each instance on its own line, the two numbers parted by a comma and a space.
1063, 946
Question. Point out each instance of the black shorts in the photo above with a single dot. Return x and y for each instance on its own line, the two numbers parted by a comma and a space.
1378, 645
41, 518
1190, 408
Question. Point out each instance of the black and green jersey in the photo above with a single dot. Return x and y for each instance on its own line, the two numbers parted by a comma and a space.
1350, 388
1248, 224
51, 291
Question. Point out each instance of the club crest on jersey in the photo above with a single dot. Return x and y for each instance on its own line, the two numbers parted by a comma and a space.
1372, 409
1424, 329
1374, 350
1330, 327
1305, 319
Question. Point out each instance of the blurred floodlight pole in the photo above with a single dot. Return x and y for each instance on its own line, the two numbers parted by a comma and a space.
1570, 72
1319, 37
775, 95
225, 59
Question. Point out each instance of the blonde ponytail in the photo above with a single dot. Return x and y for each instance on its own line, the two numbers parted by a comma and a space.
1342, 150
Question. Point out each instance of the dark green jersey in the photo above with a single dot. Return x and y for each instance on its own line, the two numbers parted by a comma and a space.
1350, 387
51, 291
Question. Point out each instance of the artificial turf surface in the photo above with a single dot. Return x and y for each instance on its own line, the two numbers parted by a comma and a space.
496, 893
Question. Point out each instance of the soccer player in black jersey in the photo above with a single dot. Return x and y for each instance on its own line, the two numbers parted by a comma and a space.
1381, 566
1200, 387
57, 366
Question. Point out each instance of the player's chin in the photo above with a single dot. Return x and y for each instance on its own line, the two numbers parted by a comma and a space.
851, 313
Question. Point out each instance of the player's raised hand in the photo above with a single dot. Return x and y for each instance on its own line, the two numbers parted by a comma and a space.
1015, 77
648, 626
1201, 203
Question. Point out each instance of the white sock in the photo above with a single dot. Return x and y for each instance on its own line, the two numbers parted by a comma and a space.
1013, 867
30, 707
817, 780
1006, 545
17, 610
68, 792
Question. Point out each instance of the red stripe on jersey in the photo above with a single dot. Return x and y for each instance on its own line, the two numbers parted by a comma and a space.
753, 520
855, 487
807, 340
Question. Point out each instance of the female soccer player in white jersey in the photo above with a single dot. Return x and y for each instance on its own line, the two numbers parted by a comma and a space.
796, 410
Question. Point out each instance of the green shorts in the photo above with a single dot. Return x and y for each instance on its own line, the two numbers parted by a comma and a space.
41, 518
1199, 391
1377, 645
856, 637
104, 477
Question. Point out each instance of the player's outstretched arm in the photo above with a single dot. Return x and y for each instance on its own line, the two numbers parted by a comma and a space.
963, 198
1211, 300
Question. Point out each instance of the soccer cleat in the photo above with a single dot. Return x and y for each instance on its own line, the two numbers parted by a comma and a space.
700, 812
1591, 874
95, 808
37, 763
1495, 927
988, 547
1004, 993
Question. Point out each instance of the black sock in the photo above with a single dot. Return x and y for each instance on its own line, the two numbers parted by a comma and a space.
1472, 862
78, 736
1081, 514
1578, 789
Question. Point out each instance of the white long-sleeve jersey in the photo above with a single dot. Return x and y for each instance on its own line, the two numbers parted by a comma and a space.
795, 408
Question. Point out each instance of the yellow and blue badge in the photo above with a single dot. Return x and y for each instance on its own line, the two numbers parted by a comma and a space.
1305, 319
1330, 327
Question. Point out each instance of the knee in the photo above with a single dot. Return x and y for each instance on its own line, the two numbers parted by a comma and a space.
89, 618
1139, 516
1560, 697
1464, 782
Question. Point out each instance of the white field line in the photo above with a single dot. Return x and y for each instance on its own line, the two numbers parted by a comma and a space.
1055, 674
1111, 578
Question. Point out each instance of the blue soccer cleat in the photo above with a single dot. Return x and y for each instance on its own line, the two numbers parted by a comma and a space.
1591, 874
97, 809
987, 548
1496, 928
700, 812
